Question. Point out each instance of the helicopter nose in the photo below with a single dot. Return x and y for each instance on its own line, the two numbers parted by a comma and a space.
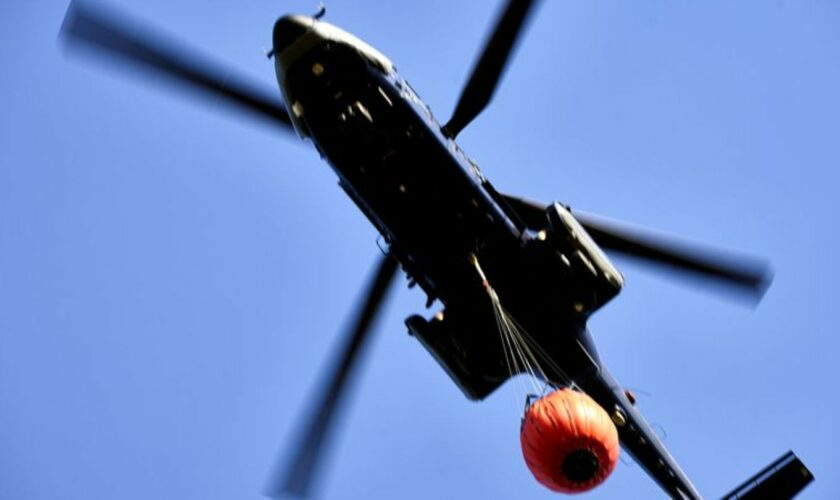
288, 29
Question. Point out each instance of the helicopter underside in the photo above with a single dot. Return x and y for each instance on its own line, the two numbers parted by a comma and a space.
423, 195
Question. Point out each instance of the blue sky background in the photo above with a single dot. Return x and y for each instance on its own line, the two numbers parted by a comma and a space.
173, 276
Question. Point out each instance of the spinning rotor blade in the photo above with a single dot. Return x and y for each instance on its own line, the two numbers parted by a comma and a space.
97, 29
747, 275
297, 479
487, 72
738, 273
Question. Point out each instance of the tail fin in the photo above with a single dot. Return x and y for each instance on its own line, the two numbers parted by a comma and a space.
781, 480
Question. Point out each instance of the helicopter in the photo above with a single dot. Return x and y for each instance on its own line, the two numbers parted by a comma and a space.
447, 227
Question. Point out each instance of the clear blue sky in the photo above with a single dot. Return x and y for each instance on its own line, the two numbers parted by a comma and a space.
172, 276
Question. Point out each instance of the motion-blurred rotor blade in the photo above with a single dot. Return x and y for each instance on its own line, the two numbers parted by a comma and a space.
738, 273
487, 72
297, 478
94, 28
745, 274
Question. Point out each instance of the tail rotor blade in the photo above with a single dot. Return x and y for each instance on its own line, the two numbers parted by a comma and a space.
307, 454
488, 70
106, 34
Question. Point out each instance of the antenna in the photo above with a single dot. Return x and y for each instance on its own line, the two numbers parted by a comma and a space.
322, 9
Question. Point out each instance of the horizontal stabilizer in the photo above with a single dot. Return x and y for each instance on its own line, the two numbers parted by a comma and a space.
781, 480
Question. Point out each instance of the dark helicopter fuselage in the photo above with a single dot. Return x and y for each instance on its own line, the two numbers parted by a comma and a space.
436, 212
429, 202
